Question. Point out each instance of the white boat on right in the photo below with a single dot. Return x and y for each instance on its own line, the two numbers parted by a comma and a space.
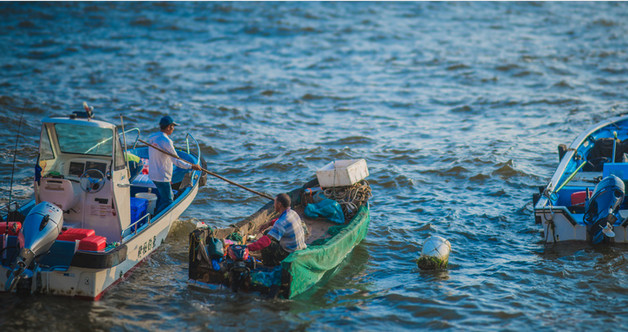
584, 200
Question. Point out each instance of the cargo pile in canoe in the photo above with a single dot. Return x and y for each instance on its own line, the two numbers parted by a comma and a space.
217, 258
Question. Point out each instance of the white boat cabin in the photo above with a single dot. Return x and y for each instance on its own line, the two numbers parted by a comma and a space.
82, 169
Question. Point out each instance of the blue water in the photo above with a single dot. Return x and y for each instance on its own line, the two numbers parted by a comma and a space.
457, 108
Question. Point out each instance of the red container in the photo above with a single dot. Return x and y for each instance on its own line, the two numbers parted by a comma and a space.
144, 162
578, 197
93, 243
13, 227
73, 234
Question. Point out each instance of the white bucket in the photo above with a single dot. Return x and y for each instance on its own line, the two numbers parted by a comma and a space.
152, 201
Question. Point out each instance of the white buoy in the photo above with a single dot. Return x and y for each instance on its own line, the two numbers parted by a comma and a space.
435, 253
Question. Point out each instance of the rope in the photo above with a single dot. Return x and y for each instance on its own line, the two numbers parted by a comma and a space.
235, 236
350, 198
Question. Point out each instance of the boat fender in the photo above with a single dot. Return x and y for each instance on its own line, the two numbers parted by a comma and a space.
203, 180
435, 253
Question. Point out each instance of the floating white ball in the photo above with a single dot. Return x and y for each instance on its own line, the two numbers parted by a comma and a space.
435, 253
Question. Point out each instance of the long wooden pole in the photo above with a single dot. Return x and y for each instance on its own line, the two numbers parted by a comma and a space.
206, 171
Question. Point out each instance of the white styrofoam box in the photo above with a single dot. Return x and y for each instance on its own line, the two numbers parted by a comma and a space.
342, 173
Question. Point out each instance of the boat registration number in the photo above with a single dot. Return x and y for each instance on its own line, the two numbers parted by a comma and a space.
146, 247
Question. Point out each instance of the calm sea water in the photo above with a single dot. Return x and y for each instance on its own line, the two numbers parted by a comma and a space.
457, 108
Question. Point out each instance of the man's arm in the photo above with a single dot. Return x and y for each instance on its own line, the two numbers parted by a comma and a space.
266, 225
260, 244
179, 163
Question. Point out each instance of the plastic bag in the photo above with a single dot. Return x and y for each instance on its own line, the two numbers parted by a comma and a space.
215, 248
327, 208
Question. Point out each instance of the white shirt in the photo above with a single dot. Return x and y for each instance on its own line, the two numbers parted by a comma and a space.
160, 164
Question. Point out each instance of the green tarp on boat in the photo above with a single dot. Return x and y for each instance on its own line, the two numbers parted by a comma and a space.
306, 267
328, 245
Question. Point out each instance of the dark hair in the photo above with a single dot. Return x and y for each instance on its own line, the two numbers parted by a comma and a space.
163, 127
284, 200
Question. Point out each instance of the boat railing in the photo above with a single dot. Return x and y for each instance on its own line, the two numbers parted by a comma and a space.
134, 227
137, 137
119, 135
23, 206
198, 147
7, 206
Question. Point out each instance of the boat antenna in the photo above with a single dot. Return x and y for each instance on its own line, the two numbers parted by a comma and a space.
17, 139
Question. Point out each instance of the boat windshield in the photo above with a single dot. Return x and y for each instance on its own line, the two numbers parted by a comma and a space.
84, 140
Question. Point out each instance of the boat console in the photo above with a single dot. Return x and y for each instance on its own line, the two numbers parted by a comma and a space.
83, 172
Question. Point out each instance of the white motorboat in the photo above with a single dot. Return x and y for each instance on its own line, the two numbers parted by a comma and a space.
92, 218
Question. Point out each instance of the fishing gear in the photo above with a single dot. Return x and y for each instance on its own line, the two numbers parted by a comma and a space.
17, 139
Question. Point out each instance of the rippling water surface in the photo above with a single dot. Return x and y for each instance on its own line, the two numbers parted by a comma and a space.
457, 108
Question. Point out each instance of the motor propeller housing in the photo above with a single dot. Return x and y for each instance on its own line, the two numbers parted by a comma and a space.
600, 211
39, 232
239, 272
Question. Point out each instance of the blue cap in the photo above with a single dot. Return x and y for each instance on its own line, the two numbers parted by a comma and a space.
166, 121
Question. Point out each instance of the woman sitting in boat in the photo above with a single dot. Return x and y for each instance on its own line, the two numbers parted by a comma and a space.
286, 235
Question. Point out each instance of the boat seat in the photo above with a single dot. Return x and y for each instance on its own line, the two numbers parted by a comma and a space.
137, 167
61, 192
579, 197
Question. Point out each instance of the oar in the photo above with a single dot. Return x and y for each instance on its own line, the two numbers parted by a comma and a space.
206, 171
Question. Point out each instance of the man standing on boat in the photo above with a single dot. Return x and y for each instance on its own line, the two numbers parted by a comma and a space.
286, 236
160, 165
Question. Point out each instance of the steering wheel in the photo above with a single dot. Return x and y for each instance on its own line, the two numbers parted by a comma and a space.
92, 180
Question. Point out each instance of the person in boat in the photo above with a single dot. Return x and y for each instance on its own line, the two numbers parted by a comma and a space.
160, 165
286, 235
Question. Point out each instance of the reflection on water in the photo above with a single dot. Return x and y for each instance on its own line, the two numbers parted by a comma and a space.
434, 275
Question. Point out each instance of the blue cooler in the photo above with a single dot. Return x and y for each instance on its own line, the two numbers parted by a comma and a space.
138, 208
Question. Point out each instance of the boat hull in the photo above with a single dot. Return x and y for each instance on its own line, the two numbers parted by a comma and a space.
91, 283
307, 267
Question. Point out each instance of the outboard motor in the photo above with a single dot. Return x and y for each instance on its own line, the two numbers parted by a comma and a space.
39, 232
239, 271
600, 211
